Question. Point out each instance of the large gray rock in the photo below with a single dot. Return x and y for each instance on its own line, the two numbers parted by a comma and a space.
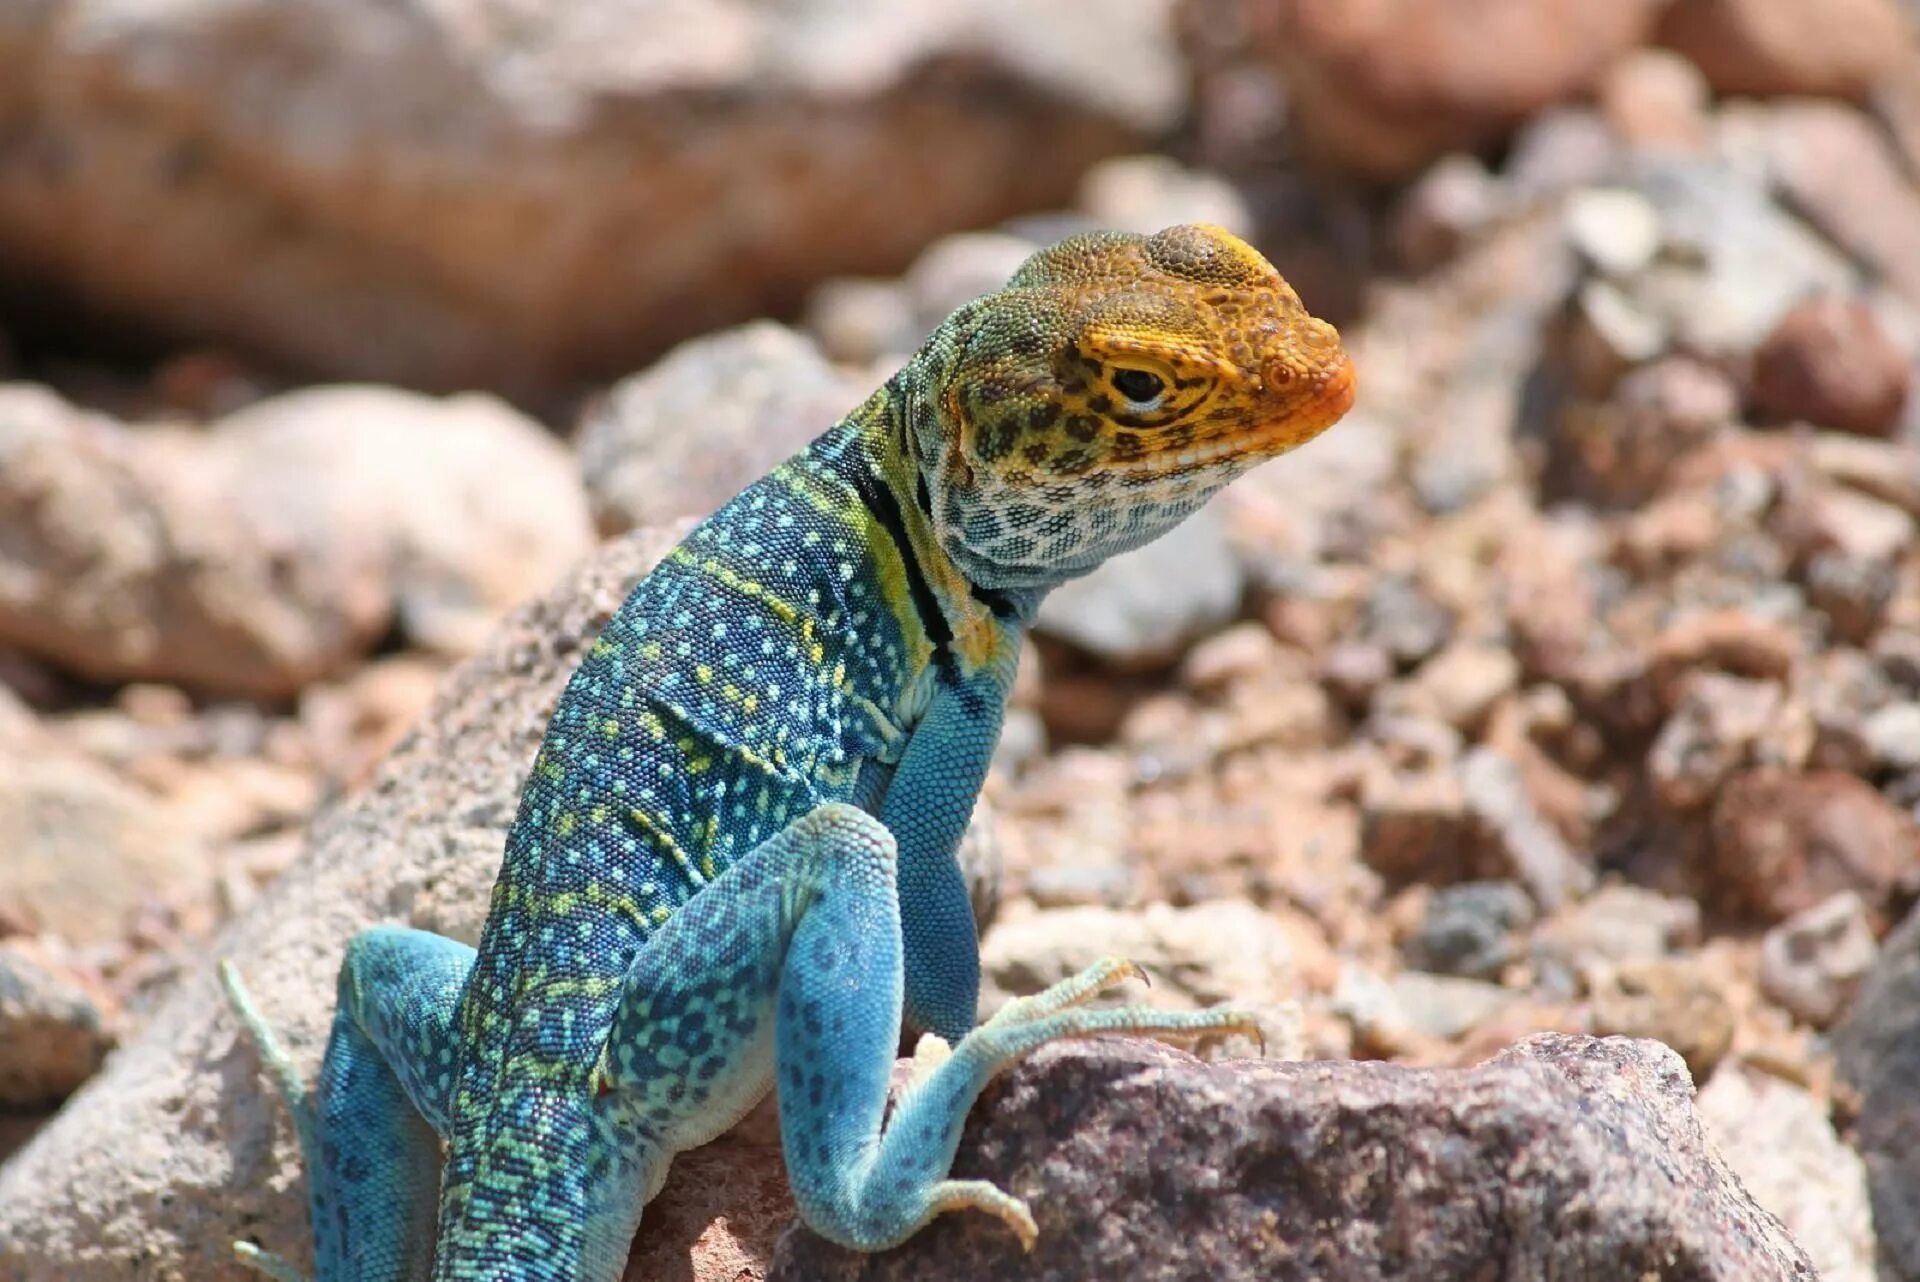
1878, 1046
179, 1146
1565, 1157
470, 194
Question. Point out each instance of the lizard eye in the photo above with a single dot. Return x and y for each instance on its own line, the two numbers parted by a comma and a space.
1140, 386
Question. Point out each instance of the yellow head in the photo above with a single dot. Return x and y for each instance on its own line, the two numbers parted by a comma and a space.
1113, 386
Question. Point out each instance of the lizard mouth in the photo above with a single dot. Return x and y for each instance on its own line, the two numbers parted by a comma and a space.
1332, 397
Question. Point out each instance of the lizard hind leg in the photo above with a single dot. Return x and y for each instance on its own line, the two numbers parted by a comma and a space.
368, 1128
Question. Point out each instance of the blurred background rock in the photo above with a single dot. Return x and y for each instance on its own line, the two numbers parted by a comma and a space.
1572, 683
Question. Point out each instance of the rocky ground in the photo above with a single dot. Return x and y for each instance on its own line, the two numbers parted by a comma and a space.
1568, 690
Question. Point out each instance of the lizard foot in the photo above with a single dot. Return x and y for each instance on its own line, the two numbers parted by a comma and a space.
1106, 974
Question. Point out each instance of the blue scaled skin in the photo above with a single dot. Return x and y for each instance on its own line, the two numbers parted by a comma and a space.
733, 864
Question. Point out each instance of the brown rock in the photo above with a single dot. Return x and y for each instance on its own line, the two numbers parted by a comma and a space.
86, 851
53, 1033
1719, 725
1623, 450
1384, 87
1820, 48
1458, 686
1829, 363
1837, 168
1656, 99
1731, 640
1669, 999
1564, 1157
468, 201
1783, 842
1811, 519
280, 544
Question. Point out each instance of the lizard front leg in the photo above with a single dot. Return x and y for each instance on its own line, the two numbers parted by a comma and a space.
370, 1132
790, 968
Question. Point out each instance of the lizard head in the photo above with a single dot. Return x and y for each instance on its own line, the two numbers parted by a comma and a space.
1115, 384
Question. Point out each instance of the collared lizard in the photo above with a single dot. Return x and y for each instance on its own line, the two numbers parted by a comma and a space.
733, 867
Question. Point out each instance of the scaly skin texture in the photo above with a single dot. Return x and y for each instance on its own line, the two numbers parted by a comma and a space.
733, 864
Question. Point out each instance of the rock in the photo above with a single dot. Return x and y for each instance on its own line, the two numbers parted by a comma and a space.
1385, 88
1733, 262
1843, 688
1779, 1141
1877, 1047
1812, 962
1887, 471
1616, 925
862, 322
1120, 1149
1558, 150
457, 200
1458, 686
279, 545
1718, 726
1837, 169
1465, 821
1143, 605
1656, 99
1734, 641
1071, 824
1829, 363
1145, 193
1446, 1007
118, 1175
1523, 845
53, 1033
1611, 332
1449, 205
1892, 736
1812, 519
85, 851
1470, 930
1214, 953
1405, 621
1783, 842
1852, 592
958, 269
1414, 826
716, 414
1243, 652
1819, 48
1616, 229
1669, 999
422, 479
1355, 671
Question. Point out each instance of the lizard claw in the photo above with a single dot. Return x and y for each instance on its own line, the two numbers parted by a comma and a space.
267, 1263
